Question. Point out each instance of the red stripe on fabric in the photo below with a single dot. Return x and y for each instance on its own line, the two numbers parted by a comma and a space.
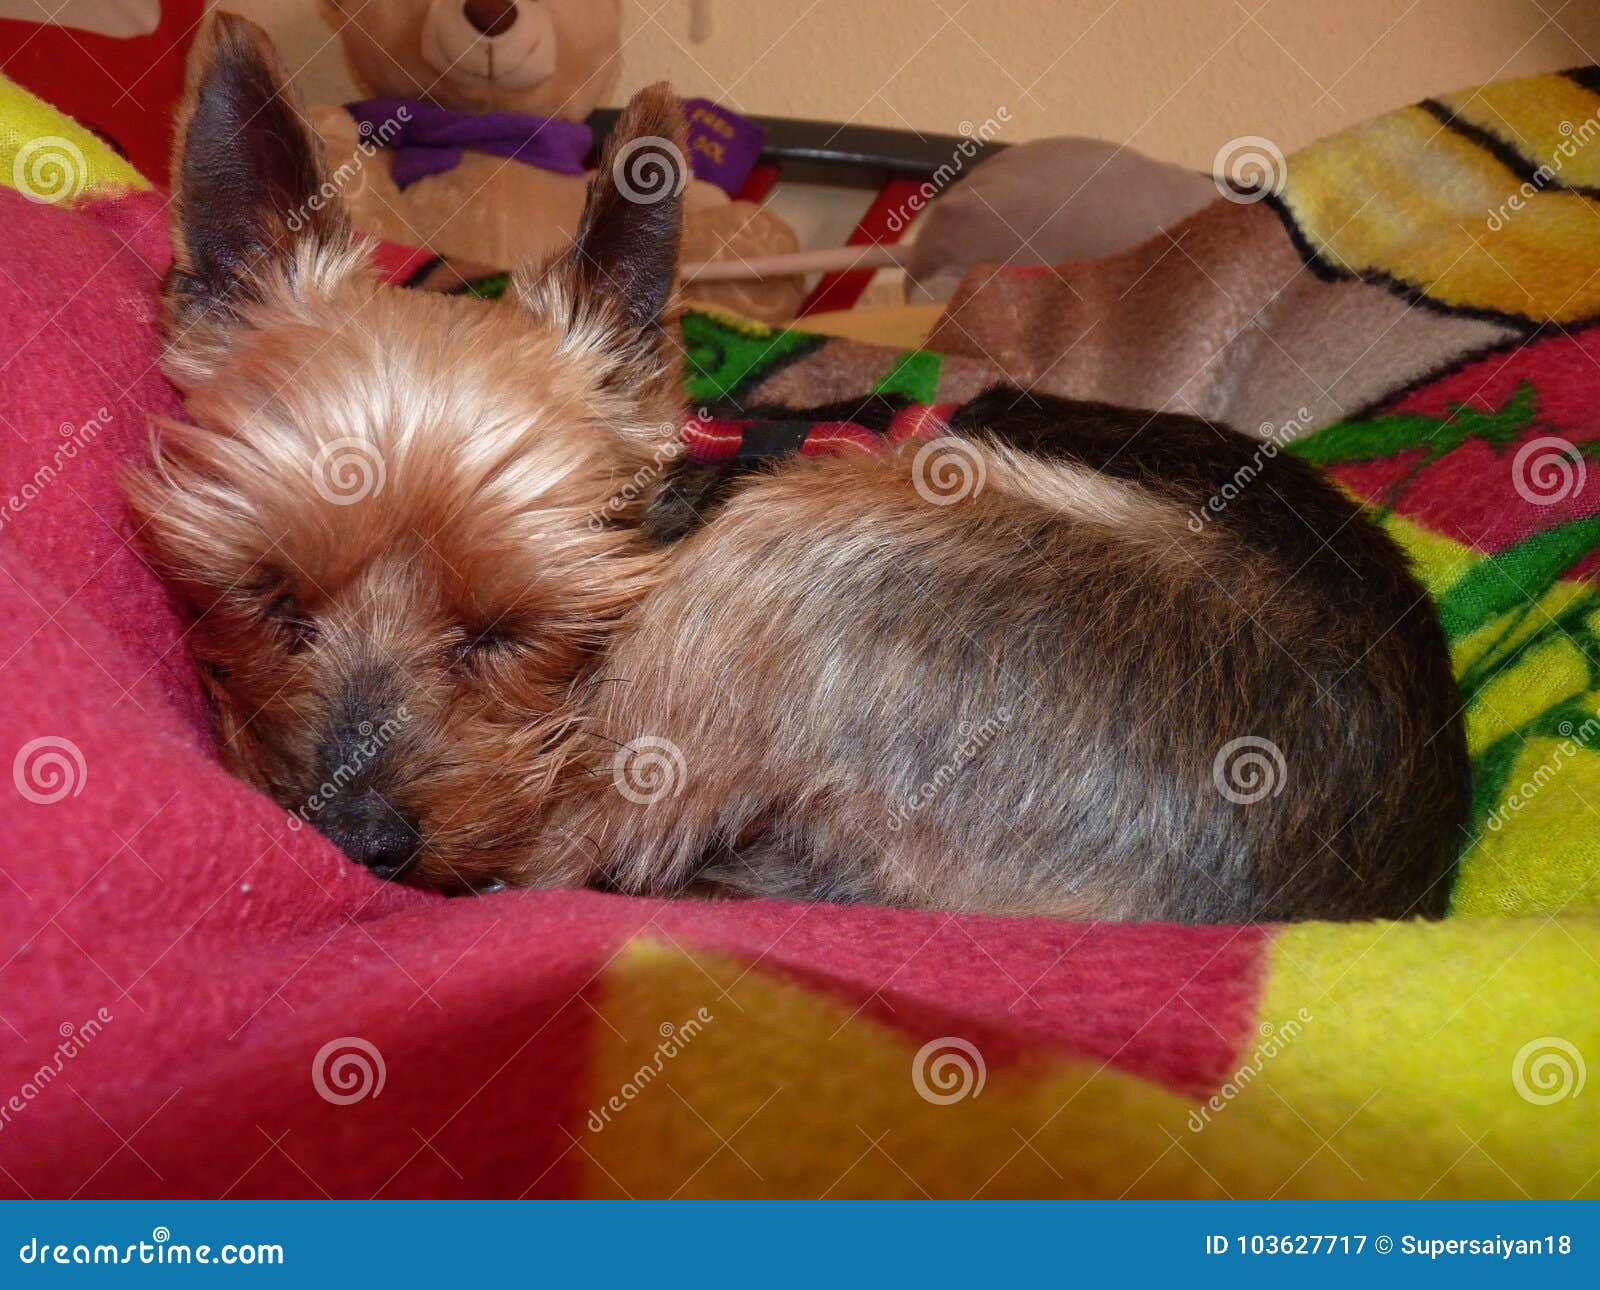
831, 437
921, 421
712, 438
719, 439
841, 290
758, 183
396, 262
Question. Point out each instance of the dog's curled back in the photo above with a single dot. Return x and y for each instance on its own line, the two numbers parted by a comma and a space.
462, 607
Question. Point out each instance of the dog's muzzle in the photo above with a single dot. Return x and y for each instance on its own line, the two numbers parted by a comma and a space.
368, 829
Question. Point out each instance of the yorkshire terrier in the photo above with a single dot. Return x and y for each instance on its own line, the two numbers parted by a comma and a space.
464, 607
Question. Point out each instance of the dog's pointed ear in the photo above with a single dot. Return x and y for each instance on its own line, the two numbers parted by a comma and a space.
249, 180
608, 291
626, 248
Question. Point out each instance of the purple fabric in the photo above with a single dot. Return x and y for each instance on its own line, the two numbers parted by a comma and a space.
427, 139
723, 146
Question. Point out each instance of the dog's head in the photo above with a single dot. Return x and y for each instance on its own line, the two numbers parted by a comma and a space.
403, 518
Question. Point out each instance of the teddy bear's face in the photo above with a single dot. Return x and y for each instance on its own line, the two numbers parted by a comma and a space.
550, 57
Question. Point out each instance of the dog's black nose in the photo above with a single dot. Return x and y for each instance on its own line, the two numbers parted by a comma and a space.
389, 852
371, 832
491, 17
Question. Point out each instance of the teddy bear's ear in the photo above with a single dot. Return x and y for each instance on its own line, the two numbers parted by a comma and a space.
624, 259
249, 178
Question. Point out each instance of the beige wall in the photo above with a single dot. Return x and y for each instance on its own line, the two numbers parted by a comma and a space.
1176, 78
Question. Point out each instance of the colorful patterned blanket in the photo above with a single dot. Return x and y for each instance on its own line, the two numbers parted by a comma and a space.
199, 999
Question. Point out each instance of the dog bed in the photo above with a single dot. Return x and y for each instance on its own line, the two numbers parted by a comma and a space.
200, 999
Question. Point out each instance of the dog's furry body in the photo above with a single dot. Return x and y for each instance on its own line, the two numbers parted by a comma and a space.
1057, 656
822, 647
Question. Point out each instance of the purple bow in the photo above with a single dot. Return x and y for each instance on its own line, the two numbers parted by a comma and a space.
427, 139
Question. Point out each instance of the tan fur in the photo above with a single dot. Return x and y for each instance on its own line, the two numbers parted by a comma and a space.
1082, 494
496, 451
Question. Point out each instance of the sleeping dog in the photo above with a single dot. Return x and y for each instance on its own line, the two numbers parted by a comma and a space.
446, 560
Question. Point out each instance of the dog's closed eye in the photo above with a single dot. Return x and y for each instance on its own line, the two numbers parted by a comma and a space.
298, 629
479, 645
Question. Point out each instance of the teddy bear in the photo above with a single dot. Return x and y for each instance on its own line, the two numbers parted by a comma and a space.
473, 141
